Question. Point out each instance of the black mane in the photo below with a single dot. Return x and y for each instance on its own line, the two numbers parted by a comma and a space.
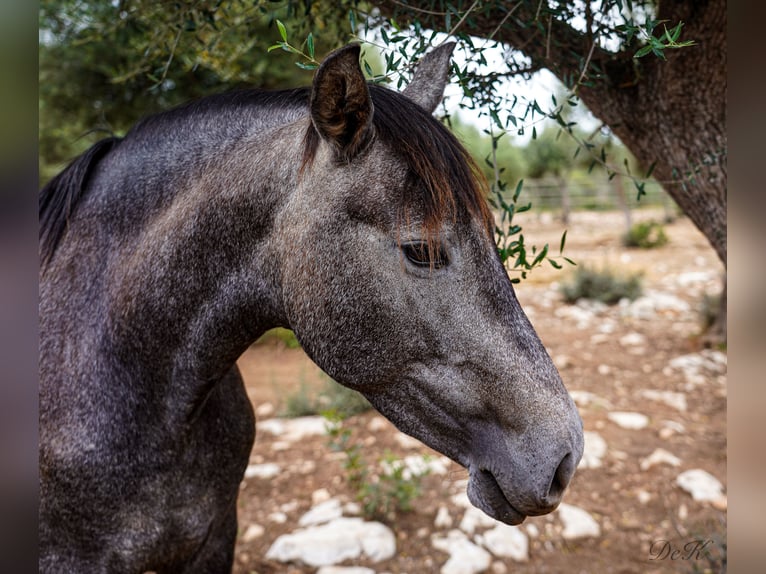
59, 197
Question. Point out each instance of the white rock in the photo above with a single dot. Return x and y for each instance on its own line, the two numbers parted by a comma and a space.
533, 530
628, 420
652, 303
443, 518
253, 531
594, 451
264, 410
586, 398
406, 441
578, 523
332, 543
465, 556
378, 424
417, 465
675, 400
659, 456
632, 339
344, 570
669, 428
474, 518
321, 513
604, 370
293, 430
692, 277
461, 499
703, 486
505, 541
699, 368
278, 517
319, 496
643, 496
266, 470
352, 509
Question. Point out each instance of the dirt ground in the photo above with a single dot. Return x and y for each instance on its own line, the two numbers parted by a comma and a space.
634, 507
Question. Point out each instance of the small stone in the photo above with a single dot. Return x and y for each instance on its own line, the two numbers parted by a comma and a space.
474, 518
352, 509
703, 487
578, 523
669, 428
406, 441
532, 530
604, 370
643, 496
344, 570
632, 340
264, 471
321, 513
333, 542
253, 531
499, 568
264, 410
465, 556
505, 541
683, 512
562, 361
675, 400
586, 398
443, 518
319, 496
294, 430
659, 456
594, 452
629, 420
378, 424
277, 517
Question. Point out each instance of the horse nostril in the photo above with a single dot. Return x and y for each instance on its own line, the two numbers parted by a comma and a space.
561, 478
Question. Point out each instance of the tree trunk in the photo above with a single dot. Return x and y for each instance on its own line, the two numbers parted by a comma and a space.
670, 114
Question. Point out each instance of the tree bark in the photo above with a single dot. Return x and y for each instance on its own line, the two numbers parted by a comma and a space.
670, 114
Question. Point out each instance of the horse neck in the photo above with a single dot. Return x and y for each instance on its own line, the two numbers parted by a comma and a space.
200, 281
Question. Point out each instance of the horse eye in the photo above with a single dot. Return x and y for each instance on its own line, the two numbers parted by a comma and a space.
417, 253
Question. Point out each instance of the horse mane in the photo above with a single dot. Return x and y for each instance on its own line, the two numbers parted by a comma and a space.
58, 199
451, 180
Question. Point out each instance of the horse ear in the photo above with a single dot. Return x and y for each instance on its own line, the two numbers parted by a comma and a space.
341, 107
427, 86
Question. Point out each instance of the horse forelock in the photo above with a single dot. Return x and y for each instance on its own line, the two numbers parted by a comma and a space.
447, 181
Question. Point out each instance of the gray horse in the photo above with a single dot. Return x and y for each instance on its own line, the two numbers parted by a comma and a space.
344, 212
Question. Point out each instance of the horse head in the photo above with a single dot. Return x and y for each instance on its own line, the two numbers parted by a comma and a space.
397, 289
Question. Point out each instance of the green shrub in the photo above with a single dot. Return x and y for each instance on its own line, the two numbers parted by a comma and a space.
302, 403
282, 335
331, 397
382, 495
645, 235
601, 285
344, 401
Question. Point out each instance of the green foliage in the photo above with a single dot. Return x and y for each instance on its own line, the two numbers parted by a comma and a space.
332, 397
646, 235
601, 285
383, 495
103, 65
302, 403
284, 336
